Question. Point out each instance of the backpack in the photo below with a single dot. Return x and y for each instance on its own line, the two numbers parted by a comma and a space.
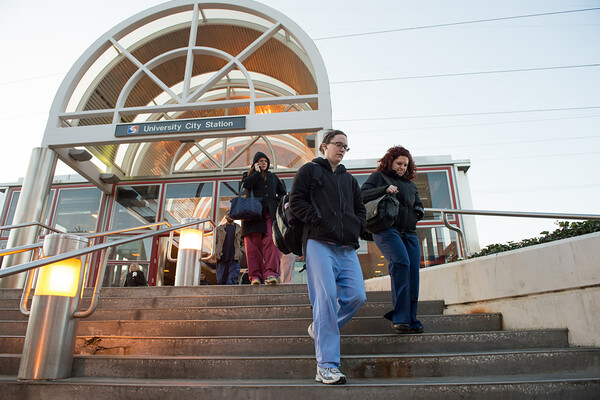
289, 232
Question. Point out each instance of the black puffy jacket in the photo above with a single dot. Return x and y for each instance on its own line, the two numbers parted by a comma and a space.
338, 198
269, 190
411, 208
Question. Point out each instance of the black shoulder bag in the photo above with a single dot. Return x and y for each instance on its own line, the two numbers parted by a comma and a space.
383, 211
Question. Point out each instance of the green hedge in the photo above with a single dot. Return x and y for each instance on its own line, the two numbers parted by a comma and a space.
566, 230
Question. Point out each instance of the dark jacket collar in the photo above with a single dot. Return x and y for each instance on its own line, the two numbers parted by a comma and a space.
325, 164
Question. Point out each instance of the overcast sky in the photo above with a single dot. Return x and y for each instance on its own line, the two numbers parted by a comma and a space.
518, 97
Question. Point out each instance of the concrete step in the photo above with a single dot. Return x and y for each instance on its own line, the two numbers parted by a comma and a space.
515, 362
207, 300
547, 387
282, 345
268, 327
355, 344
154, 291
228, 312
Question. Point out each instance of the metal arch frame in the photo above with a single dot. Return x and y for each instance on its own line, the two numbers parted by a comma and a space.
221, 166
297, 41
145, 68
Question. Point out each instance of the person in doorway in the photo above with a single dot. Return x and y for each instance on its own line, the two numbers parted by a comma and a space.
334, 276
228, 251
203, 280
261, 254
400, 244
135, 277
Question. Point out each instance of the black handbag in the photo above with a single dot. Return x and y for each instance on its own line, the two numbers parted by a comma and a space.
246, 208
382, 212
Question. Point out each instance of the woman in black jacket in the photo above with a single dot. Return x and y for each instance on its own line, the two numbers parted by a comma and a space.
261, 254
400, 244
135, 277
327, 198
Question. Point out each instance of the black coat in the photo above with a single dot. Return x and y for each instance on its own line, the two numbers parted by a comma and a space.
339, 199
136, 278
270, 191
411, 208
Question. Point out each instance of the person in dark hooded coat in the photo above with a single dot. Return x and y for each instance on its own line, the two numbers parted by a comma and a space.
261, 254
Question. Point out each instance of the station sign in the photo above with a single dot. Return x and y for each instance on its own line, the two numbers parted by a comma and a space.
180, 126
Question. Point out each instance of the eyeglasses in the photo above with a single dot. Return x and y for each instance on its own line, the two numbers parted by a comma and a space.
341, 145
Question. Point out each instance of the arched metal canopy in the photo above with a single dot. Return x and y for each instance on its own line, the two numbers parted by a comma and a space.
185, 60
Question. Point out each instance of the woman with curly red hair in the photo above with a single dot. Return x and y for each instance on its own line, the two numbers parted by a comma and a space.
399, 244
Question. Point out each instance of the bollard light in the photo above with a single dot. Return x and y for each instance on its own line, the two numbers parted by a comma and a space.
187, 271
59, 279
191, 239
52, 328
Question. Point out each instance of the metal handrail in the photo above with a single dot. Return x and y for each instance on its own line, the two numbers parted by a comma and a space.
20, 249
208, 257
28, 247
594, 217
118, 231
17, 269
9, 227
462, 242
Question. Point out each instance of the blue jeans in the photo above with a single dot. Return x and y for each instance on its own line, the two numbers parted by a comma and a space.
404, 255
337, 290
228, 272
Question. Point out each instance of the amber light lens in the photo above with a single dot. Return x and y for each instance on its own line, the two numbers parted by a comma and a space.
59, 279
191, 239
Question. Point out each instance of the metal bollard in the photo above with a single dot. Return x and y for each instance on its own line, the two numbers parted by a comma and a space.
187, 272
51, 331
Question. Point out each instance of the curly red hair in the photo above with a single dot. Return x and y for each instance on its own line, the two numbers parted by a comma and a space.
385, 164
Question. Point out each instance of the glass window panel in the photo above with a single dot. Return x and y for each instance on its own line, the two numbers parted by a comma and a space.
227, 191
438, 245
434, 191
139, 250
77, 210
135, 206
288, 183
361, 178
185, 200
13, 207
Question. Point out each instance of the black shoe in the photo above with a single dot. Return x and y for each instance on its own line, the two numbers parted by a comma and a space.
418, 329
401, 328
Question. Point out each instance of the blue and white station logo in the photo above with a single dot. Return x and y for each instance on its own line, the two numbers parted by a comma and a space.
133, 129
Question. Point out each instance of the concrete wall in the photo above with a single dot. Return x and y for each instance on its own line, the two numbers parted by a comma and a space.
552, 285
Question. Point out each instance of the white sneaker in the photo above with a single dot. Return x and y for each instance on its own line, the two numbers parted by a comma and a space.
330, 376
311, 331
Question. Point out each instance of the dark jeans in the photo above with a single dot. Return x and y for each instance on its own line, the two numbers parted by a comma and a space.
403, 252
228, 273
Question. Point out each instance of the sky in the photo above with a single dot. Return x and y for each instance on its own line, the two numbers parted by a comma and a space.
494, 82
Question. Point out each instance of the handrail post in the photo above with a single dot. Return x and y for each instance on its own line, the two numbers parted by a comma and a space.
51, 330
187, 272
461, 237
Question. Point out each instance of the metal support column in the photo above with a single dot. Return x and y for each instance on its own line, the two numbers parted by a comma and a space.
52, 328
30, 208
188, 267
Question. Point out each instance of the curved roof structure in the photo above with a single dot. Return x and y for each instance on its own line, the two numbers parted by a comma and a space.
185, 60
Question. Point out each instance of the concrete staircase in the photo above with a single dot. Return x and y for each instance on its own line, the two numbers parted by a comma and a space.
250, 342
